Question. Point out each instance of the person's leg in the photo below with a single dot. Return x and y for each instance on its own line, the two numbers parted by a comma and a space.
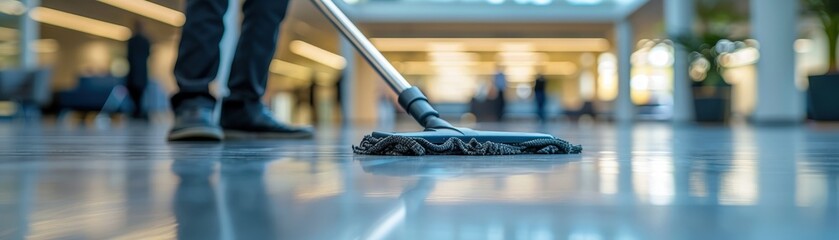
540, 107
255, 50
242, 110
502, 105
135, 91
197, 66
199, 53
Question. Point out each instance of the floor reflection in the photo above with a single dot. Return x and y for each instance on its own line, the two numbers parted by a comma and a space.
408, 218
647, 181
238, 207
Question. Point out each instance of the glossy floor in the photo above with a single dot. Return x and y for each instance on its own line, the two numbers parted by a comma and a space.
648, 181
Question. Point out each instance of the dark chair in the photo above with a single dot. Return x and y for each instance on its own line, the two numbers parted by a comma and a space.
102, 94
587, 109
29, 90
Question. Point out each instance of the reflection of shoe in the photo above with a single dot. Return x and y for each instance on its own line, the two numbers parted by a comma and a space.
195, 124
242, 120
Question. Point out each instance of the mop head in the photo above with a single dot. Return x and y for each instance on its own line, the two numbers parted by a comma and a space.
401, 146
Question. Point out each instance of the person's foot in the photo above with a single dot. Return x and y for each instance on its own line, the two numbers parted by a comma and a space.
195, 124
255, 121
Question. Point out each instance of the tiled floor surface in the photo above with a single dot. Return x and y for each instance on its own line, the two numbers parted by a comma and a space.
647, 181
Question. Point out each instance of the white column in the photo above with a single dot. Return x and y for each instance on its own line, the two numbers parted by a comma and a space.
678, 16
348, 80
29, 31
774, 26
624, 109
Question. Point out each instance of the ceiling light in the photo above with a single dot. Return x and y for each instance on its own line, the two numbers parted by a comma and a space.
452, 56
542, 2
12, 7
8, 48
8, 33
494, 44
445, 47
150, 10
317, 54
81, 24
516, 47
584, 2
46, 45
290, 69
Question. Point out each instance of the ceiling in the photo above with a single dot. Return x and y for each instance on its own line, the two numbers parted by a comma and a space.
390, 19
306, 23
567, 11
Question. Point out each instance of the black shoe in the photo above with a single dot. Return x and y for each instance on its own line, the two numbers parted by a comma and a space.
195, 124
241, 120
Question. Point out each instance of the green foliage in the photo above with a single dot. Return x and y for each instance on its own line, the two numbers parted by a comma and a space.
828, 13
716, 18
705, 45
825, 7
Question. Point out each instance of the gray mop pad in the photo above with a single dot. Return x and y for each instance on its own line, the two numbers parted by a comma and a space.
401, 145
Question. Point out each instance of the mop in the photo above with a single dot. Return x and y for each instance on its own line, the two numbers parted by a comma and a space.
439, 136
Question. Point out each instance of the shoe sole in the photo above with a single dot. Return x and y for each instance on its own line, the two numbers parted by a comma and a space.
197, 134
236, 134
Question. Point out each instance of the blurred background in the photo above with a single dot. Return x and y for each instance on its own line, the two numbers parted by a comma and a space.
477, 60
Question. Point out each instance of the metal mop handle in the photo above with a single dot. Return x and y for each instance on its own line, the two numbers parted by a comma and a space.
367, 50
410, 98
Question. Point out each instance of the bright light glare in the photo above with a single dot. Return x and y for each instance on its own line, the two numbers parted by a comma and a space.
742, 57
660, 56
12, 7
386, 225
150, 10
290, 69
640, 82
523, 91
494, 44
803, 45
584, 2
317, 54
587, 88
607, 76
81, 24
8, 33
46, 45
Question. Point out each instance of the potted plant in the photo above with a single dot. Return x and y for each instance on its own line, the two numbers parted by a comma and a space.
822, 97
711, 93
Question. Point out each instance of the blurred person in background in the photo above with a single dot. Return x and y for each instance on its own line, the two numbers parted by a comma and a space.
138, 69
500, 82
540, 97
242, 112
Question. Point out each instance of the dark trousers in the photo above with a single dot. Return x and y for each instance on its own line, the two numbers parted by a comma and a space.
136, 93
540, 106
199, 53
136, 82
501, 106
